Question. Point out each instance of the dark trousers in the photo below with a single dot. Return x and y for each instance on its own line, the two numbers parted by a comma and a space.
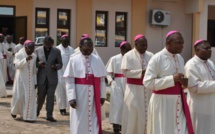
47, 91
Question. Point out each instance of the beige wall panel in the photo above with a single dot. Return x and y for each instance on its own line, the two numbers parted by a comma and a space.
84, 18
179, 21
138, 17
196, 18
193, 6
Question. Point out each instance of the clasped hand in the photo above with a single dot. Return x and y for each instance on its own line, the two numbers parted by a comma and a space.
74, 105
29, 58
179, 77
54, 67
41, 64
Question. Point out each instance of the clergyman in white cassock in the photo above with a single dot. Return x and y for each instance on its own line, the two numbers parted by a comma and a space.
4, 60
77, 51
85, 83
20, 45
201, 88
24, 93
61, 94
168, 112
136, 96
117, 82
10, 46
3, 92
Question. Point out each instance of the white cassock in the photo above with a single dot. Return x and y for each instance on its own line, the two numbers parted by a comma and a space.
4, 61
24, 92
136, 97
18, 47
84, 119
3, 92
77, 51
10, 58
165, 112
118, 81
201, 94
61, 95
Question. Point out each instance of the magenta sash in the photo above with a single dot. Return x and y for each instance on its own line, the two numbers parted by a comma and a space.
95, 81
135, 81
118, 75
177, 90
4, 56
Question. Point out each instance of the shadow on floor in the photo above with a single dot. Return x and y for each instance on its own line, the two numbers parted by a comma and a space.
5, 104
45, 122
106, 132
48, 123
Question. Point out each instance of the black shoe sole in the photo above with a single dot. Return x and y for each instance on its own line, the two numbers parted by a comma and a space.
51, 120
14, 116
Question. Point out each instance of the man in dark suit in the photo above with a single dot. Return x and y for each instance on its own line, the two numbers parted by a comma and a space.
48, 62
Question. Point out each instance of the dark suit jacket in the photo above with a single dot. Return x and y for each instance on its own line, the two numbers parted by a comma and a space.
47, 72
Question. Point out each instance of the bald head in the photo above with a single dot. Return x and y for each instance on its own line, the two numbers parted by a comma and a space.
125, 48
22, 40
9, 39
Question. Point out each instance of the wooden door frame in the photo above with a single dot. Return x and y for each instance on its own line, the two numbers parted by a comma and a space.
25, 32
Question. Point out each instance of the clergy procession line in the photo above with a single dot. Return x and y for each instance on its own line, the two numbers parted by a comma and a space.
147, 90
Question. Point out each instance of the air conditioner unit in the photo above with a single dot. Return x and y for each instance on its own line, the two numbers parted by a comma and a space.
160, 17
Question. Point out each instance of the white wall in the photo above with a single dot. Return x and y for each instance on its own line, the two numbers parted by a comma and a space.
192, 6
179, 21
63, 4
204, 23
112, 7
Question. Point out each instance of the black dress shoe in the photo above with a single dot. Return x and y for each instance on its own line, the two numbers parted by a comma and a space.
51, 119
116, 128
66, 113
38, 113
29, 121
14, 116
63, 112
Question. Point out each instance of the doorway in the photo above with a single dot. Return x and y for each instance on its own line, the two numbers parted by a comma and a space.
7, 25
13, 25
211, 25
20, 27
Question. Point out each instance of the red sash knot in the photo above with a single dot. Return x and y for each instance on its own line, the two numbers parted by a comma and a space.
177, 90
